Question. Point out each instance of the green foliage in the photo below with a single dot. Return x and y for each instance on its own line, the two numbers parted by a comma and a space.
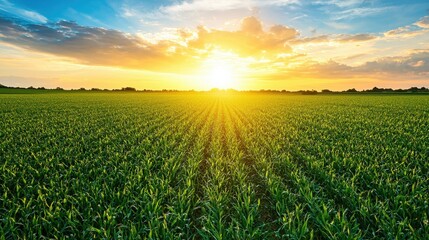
213, 166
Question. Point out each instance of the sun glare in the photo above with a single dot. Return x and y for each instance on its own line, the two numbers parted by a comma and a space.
220, 76
221, 70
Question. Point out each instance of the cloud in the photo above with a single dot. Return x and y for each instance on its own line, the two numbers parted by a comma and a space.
8, 7
423, 22
175, 50
340, 3
416, 63
339, 26
351, 9
183, 51
221, 5
96, 46
399, 68
418, 28
285, 33
404, 32
339, 38
355, 37
360, 12
251, 25
250, 40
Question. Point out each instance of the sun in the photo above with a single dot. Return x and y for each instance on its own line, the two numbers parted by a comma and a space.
221, 70
221, 76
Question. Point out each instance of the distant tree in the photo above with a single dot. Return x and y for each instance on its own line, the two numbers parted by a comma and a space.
59, 88
309, 92
31, 87
3, 86
351, 90
41, 88
130, 89
95, 89
326, 91
413, 89
417, 90
82, 89
269, 91
379, 90
376, 89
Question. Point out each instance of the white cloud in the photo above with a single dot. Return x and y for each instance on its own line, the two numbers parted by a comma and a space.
418, 28
341, 3
360, 12
128, 12
423, 22
417, 64
29, 15
339, 26
405, 32
220, 5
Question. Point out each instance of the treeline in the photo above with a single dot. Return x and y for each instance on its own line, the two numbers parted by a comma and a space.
124, 89
352, 90
131, 89
389, 90
303, 92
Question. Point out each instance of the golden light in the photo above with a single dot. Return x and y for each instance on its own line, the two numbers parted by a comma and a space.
221, 76
223, 70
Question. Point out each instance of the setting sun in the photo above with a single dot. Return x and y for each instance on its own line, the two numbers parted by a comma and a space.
220, 76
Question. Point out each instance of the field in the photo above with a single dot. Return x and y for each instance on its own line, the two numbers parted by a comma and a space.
214, 166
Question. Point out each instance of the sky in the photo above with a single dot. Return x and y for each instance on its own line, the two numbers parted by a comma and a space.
204, 44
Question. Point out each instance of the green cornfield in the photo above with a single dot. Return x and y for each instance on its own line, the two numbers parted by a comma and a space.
214, 166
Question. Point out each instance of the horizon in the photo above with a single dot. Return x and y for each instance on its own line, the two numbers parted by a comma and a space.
204, 44
132, 89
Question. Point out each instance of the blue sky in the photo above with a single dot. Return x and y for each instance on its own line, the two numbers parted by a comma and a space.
291, 44
330, 16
